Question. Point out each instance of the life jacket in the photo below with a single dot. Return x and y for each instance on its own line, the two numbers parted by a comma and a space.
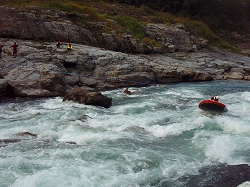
69, 46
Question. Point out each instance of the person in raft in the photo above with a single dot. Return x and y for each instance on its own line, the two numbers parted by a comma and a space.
69, 47
14, 46
126, 91
215, 98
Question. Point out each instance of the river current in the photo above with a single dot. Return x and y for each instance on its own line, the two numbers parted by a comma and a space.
154, 137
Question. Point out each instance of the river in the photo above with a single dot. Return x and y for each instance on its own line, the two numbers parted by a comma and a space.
151, 138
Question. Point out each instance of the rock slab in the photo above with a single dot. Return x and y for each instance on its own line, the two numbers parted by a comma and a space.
83, 96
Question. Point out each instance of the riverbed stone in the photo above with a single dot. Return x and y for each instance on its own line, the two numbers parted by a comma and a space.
84, 96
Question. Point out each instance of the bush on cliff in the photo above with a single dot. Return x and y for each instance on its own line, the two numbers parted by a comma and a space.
132, 24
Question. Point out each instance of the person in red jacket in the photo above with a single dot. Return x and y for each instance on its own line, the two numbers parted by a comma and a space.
14, 46
58, 45
215, 98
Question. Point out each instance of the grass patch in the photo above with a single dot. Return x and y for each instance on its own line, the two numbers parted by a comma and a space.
132, 24
67, 7
151, 42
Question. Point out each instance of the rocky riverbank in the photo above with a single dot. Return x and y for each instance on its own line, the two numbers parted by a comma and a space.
43, 70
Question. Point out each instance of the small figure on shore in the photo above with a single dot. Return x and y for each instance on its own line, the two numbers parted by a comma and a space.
215, 98
14, 46
126, 91
1, 51
58, 45
69, 47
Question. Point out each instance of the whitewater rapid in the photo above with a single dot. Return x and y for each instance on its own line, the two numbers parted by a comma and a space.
151, 138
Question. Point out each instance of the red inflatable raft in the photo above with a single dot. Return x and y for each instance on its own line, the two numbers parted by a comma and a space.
211, 105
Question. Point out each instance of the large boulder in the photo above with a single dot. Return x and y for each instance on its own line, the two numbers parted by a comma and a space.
166, 75
220, 175
83, 96
3, 87
39, 23
174, 37
40, 80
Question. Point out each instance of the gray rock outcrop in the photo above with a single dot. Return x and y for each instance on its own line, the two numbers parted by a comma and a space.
38, 81
83, 96
42, 70
220, 175
36, 23
174, 37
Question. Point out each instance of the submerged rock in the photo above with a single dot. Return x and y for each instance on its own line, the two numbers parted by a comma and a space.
84, 118
26, 134
5, 142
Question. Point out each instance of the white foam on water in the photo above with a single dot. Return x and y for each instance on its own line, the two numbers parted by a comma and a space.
234, 125
53, 177
176, 128
219, 149
224, 148
81, 137
157, 133
180, 168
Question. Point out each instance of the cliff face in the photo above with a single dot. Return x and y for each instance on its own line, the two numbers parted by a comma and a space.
50, 25
43, 70
41, 24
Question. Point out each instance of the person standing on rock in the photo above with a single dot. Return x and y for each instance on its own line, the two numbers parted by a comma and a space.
69, 47
14, 46
58, 45
1, 50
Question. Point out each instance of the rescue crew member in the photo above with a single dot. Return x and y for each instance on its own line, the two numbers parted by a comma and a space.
126, 91
14, 46
58, 45
69, 47
215, 98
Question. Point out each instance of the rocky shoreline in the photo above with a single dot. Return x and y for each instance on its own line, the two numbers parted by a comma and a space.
43, 70
117, 60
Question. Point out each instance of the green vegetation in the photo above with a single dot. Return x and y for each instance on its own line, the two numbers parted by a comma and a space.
68, 7
232, 15
132, 24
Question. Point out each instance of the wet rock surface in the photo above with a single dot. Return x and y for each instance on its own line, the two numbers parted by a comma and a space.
83, 96
220, 175
43, 70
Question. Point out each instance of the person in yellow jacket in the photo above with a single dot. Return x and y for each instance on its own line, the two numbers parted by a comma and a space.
69, 47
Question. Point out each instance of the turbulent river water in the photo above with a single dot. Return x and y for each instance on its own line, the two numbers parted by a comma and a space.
154, 137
